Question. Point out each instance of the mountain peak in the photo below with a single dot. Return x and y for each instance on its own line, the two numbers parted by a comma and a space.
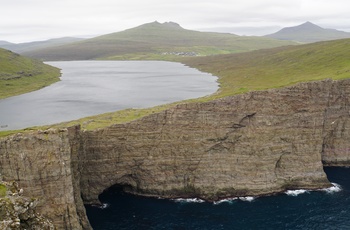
168, 25
308, 25
172, 24
308, 32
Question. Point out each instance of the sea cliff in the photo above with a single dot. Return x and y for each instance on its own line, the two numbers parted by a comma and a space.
256, 143
45, 165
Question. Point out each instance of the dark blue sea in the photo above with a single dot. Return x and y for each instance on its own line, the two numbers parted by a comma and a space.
326, 209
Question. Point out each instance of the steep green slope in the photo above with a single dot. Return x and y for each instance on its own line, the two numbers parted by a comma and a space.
278, 67
20, 74
256, 70
161, 41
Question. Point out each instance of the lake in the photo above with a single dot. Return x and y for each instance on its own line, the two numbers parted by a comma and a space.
94, 87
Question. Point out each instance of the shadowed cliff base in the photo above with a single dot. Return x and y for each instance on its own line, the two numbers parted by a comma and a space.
293, 209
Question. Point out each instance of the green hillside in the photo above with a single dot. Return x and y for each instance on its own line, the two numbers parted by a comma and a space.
20, 74
160, 41
256, 70
278, 67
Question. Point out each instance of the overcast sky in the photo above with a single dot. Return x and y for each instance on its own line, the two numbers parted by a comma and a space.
31, 20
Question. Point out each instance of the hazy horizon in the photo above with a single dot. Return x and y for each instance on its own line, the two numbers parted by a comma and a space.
38, 20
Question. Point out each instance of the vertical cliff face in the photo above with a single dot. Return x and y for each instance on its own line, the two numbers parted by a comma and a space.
336, 126
252, 144
256, 143
44, 164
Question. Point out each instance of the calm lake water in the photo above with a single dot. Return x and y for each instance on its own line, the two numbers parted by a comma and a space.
326, 209
94, 87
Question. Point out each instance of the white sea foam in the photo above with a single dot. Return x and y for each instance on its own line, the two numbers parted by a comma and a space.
335, 188
228, 200
189, 200
102, 206
247, 198
295, 192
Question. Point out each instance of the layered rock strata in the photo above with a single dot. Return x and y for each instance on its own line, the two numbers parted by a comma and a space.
252, 144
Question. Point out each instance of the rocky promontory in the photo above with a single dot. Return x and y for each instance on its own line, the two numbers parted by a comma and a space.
252, 144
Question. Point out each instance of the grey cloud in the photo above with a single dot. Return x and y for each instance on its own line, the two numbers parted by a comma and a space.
48, 19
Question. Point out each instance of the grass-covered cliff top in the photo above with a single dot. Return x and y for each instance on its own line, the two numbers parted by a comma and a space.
257, 70
19, 74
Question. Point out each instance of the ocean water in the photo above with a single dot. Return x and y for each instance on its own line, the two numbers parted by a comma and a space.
300, 209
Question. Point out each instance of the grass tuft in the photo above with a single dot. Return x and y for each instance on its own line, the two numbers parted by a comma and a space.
3, 190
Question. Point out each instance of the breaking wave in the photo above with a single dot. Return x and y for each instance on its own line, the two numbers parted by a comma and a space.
247, 198
228, 200
189, 200
335, 188
295, 192
101, 206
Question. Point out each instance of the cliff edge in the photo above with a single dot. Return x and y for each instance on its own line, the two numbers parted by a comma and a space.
256, 143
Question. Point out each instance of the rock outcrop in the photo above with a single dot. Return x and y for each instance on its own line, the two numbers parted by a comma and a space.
252, 144
18, 212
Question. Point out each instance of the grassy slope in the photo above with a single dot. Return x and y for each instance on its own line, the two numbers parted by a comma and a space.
150, 41
257, 70
278, 67
20, 75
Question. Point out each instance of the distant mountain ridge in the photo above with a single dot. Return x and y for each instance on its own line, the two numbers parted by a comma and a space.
30, 46
5, 43
307, 33
156, 41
